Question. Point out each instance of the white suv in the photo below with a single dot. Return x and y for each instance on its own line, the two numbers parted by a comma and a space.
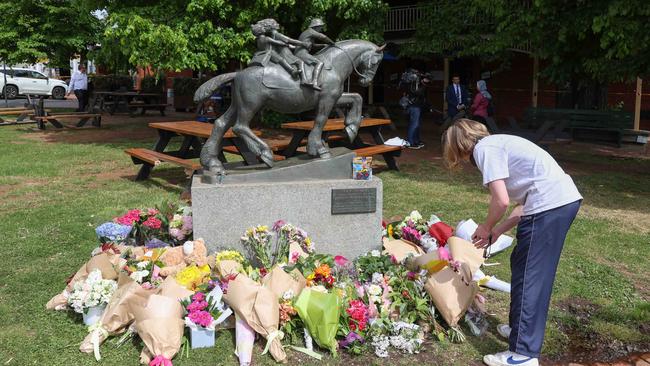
25, 81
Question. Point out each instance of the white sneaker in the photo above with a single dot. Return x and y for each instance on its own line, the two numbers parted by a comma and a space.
508, 358
504, 330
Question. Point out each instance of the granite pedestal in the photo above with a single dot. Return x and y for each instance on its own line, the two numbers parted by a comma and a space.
342, 215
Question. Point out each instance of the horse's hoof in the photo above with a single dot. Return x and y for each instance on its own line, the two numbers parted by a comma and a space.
324, 153
351, 131
267, 158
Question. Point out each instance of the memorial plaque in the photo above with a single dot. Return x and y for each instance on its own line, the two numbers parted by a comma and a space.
354, 201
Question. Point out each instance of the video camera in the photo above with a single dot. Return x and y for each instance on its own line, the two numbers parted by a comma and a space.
411, 76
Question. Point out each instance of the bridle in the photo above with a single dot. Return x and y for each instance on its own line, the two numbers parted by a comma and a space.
354, 66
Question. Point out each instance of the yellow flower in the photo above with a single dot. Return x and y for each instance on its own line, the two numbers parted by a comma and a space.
390, 231
193, 276
262, 228
229, 255
308, 242
310, 279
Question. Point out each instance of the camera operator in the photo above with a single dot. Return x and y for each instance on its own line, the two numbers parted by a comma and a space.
414, 100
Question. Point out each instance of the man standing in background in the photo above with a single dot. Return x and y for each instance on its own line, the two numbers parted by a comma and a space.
79, 85
457, 96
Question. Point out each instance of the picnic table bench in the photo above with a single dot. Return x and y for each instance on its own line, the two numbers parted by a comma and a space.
584, 124
334, 127
82, 117
130, 101
193, 134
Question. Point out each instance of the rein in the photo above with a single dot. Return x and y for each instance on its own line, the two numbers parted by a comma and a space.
351, 61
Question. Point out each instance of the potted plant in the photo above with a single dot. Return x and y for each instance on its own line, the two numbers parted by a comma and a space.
90, 297
204, 313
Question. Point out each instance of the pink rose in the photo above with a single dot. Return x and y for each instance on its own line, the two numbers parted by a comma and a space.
443, 253
341, 260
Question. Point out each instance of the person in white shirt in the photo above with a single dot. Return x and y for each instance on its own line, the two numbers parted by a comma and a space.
547, 201
79, 85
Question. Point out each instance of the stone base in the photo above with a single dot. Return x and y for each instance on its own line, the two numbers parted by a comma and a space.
223, 212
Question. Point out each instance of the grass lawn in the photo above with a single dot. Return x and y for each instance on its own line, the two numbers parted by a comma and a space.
54, 191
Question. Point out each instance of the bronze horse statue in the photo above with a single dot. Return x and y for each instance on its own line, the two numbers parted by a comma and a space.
256, 87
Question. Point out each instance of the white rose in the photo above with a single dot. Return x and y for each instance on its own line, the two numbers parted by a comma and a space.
415, 216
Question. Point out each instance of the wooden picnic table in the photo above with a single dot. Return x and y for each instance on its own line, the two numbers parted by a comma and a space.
372, 126
110, 101
193, 133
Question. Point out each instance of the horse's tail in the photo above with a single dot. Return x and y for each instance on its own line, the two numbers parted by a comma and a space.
206, 89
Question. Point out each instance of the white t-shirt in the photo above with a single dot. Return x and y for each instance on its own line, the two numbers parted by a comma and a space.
532, 177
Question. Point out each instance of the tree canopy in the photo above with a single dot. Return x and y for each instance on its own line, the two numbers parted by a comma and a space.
603, 40
54, 30
207, 34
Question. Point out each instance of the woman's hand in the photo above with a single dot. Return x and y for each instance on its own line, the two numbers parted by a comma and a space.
481, 237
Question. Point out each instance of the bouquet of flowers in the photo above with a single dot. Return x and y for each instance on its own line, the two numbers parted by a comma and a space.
145, 224
268, 252
180, 225
102, 262
193, 276
145, 270
205, 311
112, 232
93, 291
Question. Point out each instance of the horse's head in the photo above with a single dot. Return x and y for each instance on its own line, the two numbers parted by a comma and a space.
368, 64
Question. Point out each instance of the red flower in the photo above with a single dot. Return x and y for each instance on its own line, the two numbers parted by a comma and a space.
152, 223
263, 271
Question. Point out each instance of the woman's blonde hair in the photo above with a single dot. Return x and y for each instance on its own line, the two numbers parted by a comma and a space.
459, 140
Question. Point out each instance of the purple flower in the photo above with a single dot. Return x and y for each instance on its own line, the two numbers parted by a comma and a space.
349, 339
155, 243
187, 224
411, 276
411, 234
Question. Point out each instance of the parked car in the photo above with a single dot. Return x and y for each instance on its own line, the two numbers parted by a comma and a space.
24, 81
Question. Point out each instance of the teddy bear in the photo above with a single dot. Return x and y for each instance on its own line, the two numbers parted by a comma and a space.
177, 258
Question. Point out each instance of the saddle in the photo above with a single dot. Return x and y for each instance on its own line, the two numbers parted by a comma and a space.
275, 76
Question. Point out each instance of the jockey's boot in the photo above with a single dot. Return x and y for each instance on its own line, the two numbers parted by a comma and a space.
316, 75
294, 72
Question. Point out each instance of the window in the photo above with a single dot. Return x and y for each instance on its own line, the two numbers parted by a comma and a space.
21, 74
37, 75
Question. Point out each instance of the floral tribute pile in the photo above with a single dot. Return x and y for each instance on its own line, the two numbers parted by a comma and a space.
157, 282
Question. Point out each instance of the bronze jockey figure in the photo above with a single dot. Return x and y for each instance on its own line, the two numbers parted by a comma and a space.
309, 39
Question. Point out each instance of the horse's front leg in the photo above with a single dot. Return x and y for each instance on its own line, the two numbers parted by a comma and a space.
315, 145
353, 117
212, 147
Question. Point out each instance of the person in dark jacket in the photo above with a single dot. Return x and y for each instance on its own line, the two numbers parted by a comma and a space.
457, 97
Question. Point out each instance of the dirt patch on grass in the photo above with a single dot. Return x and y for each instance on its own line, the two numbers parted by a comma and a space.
628, 220
588, 347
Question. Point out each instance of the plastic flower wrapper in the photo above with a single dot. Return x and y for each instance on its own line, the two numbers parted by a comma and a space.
244, 341
193, 276
118, 314
160, 325
258, 306
320, 313
112, 232
104, 262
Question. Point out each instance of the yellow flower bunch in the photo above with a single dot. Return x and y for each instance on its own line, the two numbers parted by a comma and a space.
193, 276
232, 255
